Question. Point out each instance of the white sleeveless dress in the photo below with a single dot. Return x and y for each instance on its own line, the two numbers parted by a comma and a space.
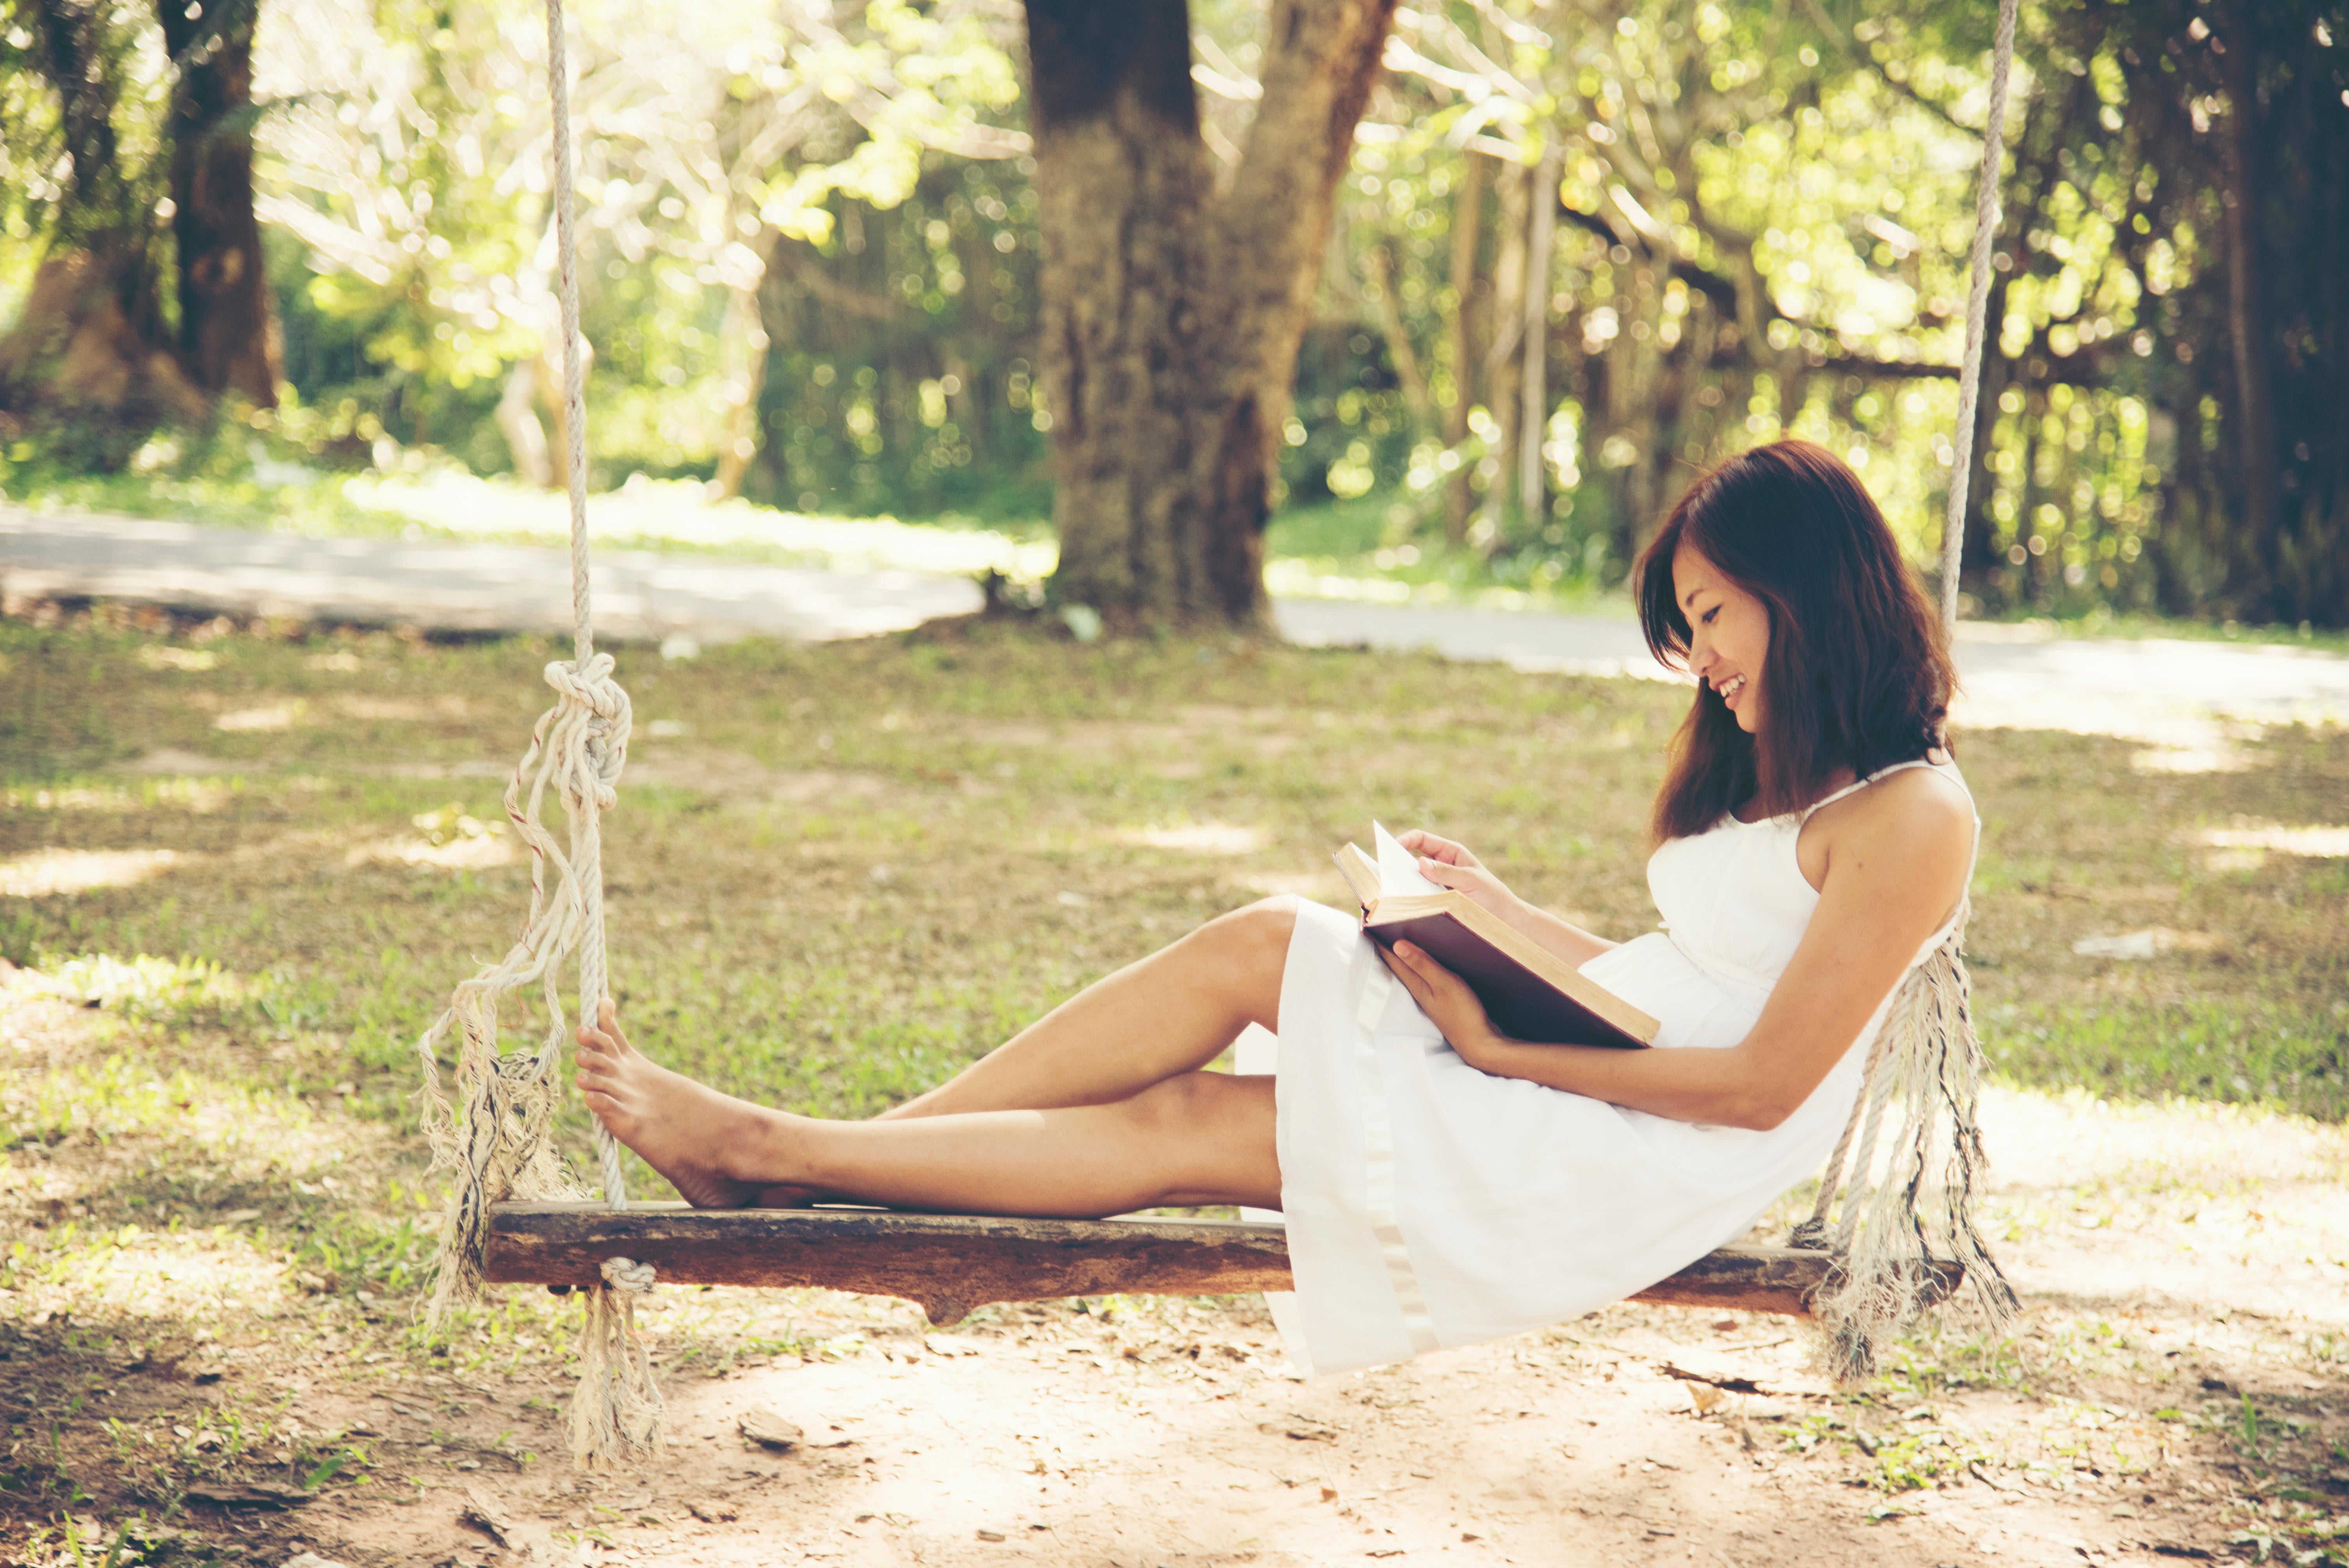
1429, 1204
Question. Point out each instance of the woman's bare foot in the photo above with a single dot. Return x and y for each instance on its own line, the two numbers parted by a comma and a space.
683, 1130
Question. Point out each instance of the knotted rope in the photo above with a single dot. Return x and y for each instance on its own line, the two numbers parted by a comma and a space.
496, 1135
1925, 1053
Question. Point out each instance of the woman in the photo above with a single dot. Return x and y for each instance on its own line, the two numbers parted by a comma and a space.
1442, 1185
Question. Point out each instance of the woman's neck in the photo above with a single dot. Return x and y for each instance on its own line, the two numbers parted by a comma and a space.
1838, 778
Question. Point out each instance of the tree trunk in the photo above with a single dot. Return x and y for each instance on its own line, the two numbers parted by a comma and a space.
1386, 304
2247, 335
1978, 560
1534, 424
1467, 225
742, 376
1502, 362
87, 363
1172, 316
225, 339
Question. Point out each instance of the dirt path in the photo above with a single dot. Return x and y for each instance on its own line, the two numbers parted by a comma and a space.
2182, 1391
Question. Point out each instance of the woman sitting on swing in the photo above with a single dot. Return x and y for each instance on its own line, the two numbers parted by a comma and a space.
1442, 1185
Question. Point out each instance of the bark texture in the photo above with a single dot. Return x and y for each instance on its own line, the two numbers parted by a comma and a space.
227, 342
1172, 314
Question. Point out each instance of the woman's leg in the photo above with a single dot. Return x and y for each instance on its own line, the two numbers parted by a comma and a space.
1171, 1013
1191, 1138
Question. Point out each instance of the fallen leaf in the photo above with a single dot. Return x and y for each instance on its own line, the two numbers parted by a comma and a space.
482, 1510
762, 1425
990, 1535
714, 1512
1303, 1434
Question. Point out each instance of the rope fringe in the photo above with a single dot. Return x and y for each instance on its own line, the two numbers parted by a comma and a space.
616, 1415
1896, 1230
495, 1134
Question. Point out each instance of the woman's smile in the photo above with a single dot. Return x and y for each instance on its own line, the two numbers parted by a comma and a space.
1728, 635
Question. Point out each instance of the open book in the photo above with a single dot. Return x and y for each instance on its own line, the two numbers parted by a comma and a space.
1528, 992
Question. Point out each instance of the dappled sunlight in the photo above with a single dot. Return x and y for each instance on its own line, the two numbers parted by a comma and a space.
274, 716
161, 656
138, 986
129, 1270
447, 839
458, 854
44, 873
2185, 1202
2314, 843
195, 795
1197, 838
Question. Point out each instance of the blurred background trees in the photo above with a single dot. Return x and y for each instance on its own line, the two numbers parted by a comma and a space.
1579, 249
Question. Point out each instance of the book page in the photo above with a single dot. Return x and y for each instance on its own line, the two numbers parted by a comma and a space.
1399, 874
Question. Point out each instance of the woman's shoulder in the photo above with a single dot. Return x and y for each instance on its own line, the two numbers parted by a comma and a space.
1920, 808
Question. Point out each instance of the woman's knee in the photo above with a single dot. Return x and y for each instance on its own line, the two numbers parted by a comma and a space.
1190, 1106
1257, 932
1210, 1136
1248, 950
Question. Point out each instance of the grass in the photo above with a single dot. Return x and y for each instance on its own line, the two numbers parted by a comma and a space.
241, 868
990, 821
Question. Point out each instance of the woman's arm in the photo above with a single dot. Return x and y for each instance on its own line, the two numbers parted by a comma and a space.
1897, 863
1451, 865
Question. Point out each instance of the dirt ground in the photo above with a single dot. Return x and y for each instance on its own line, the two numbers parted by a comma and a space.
2180, 1391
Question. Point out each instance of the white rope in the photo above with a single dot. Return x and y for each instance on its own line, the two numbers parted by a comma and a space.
1986, 211
583, 634
496, 1134
1925, 1050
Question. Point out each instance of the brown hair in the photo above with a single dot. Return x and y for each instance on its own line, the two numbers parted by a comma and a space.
1858, 673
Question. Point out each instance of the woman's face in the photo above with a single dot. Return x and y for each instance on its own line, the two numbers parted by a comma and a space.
1729, 633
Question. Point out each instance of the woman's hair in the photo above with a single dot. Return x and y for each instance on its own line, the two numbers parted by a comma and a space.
1858, 673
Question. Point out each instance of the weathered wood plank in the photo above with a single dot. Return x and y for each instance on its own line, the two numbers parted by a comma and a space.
952, 1263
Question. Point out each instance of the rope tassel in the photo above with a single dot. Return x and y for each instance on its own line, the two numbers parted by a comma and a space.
1895, 1231
617, 1413
497, 1133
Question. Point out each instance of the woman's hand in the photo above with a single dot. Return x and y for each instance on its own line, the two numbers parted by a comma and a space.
1447, 1000
1450, 865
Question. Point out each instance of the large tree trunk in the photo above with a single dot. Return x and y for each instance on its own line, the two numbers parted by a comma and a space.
226, 341
1172, 316
87, 363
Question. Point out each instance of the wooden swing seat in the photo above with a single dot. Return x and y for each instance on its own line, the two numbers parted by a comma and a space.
950, 1263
